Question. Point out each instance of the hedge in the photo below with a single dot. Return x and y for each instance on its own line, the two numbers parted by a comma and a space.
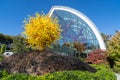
103, 73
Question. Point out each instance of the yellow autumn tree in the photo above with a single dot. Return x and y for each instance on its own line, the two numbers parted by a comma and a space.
41, 31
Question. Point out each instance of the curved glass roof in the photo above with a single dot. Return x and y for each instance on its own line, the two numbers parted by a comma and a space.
76, 28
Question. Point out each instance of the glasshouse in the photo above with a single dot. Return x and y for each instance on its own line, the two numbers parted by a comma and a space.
79, 33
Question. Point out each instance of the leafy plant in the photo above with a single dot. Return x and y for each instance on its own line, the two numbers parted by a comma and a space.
104, 73
1, 58
16, 77
3, 48
114, 51
114, 47
96, 57
41, 31
3, 74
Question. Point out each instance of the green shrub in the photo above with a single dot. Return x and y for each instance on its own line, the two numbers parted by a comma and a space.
114, 51
16, 77
3, 74
1, 58
21, 76
116, 67
68, 75
103, 73
3, 48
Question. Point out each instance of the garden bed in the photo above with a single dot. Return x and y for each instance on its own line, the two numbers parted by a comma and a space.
42, 62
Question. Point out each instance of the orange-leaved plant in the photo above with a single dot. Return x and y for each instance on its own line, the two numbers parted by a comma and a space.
41, 31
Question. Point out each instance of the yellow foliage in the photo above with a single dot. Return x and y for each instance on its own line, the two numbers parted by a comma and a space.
41, 31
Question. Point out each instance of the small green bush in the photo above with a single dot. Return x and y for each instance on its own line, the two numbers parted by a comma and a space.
21, 76
68, 75
3, 74
114, 51
3, 48
16, 77
116, 67
103, 73
1, 59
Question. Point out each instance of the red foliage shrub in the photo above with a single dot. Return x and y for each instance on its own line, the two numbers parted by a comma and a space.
96, 57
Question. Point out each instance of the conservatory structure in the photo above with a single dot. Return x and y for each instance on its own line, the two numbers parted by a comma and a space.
78, 31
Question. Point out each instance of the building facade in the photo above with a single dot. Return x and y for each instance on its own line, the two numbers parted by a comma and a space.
77, 28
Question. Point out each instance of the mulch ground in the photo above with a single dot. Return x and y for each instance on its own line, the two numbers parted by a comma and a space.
42, 62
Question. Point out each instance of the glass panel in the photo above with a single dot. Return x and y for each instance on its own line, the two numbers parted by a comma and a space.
75, 30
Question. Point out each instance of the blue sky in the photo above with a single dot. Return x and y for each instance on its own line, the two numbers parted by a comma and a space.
104, 13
